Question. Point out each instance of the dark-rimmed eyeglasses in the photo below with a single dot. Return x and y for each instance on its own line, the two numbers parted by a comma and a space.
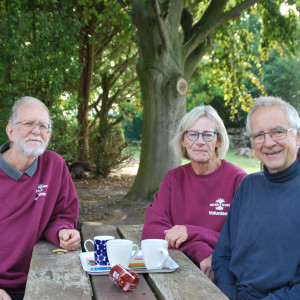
207, 136
275, 134
28, 125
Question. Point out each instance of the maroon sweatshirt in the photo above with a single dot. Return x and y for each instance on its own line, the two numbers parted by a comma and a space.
201, 202
42, 200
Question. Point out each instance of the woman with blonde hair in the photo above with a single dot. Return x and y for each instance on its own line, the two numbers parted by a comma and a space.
191, 205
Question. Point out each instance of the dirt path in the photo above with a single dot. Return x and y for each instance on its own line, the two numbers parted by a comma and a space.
102, 200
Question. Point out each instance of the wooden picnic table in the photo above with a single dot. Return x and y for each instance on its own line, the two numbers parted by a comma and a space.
54, 276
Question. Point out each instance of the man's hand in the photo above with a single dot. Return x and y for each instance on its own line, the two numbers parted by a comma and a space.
176, 236
4, 295
69, 239
205, 266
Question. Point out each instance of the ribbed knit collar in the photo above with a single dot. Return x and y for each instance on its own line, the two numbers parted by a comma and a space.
11, 171
285, 175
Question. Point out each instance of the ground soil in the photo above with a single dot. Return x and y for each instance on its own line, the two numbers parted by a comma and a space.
102, 199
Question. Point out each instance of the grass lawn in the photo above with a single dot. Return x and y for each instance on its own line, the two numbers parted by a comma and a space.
250, 165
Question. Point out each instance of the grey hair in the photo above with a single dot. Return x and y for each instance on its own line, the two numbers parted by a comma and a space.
270, 101
189, 120
25, 100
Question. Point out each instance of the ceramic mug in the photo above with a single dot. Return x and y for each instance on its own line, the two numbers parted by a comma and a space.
119, 251
100, 253
155, 253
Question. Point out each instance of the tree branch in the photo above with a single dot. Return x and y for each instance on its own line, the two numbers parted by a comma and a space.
121, 68
132, 91
212, 19
196, 56
160, 25
236, 11
117, 121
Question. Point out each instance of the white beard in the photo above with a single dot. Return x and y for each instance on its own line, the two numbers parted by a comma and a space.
29, 150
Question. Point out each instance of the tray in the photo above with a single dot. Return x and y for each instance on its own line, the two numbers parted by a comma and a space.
137, 265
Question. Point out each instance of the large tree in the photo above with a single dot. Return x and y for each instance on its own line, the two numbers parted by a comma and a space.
173, 36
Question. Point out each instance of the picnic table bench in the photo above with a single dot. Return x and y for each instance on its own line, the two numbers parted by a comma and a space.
55, 276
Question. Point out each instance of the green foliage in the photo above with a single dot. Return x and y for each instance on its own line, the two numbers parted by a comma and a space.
64, 139
108, 88
39, 42
234, 62
107, 152
226, 82
5, 109
133, 129
282, 77
39, 45
277, 29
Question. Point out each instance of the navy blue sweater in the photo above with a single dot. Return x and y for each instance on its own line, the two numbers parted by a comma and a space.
257, 255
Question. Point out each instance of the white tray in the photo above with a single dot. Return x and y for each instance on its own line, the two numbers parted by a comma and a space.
137, 265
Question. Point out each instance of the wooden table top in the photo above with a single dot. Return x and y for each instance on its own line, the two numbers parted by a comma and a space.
56, 276
187, 282
61, 276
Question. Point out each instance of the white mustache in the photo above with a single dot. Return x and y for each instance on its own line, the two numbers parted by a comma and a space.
35, 138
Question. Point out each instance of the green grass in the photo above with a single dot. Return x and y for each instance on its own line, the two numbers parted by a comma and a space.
250, 165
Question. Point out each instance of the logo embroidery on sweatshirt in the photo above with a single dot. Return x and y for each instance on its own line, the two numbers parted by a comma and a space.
219, 206
40, 191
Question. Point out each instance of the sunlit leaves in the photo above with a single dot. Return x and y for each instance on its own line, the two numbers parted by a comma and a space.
277, 29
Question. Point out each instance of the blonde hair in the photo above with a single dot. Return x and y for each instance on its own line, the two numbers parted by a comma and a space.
189, 120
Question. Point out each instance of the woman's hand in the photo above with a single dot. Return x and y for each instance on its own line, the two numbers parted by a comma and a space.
205, 266
176, 236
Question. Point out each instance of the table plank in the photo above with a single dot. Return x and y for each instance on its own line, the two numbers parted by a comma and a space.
103, 286
56, 276
187, 282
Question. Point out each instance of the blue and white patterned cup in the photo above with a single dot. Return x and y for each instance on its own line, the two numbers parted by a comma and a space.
100, 254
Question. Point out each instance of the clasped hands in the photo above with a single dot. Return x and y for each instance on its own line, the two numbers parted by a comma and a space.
69, 239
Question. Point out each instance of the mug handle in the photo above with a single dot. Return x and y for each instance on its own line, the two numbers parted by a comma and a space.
87, 250
166, 257
136, 251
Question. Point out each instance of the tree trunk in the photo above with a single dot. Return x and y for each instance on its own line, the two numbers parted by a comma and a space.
163, 109
170, 46
163, 106
87, 61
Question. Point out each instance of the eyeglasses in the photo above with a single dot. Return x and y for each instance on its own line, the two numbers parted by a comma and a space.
193, 136
275, 134
29, 125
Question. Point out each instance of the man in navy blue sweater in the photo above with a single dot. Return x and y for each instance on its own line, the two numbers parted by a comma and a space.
257, 255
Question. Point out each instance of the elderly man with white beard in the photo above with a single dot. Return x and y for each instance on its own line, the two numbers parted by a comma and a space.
37, 195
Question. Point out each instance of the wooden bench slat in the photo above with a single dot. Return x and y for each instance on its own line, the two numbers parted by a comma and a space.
187, 282
103, 286
48, 278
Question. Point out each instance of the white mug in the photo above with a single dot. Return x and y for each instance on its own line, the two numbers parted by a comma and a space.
119, 251
155, 253
100, 254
